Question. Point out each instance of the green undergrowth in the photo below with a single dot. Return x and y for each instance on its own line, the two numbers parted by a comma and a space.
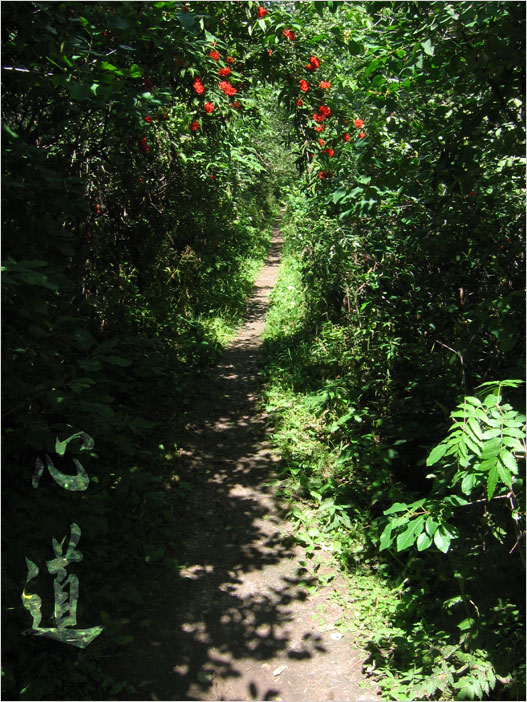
436, 626
131, 394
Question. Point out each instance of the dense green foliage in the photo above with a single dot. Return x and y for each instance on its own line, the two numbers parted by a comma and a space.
145, 146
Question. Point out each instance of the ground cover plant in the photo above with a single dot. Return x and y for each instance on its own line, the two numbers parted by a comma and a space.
146, 147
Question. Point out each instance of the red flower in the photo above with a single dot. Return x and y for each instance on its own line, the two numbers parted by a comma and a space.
236, 105
141, 179
320, 128
224, 71
299, 102
148, 119
304, 86
324, 174
262, 12
227, 88
325, 110
329, 152
471, 193
358, 123
270, 52
194, 126
289, 34
309, 67
212, 176
346, 137
325, 85
208, 107
143, 145
98, 209
214, 54
315, 62
229, 59
198, 86
321, 142
362, 135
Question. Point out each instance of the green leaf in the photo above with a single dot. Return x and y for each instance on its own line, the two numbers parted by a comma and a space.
396, 507
508, 460
466, 624
423, 541
492, 481
436, 454
407, 537
431, 526
468, 483
442, 539
135, 71
386, 539
428, 47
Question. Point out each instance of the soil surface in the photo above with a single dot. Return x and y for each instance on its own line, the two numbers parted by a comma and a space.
238, 623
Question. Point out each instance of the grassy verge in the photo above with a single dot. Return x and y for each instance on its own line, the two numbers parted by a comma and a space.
408, 610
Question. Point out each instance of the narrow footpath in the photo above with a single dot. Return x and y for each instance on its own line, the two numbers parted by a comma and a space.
239, 623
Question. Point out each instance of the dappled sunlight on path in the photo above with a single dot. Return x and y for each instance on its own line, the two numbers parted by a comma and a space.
238, 623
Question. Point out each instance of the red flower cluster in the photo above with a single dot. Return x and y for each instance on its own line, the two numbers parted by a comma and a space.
325, 85
359, 123
214, 54
346, 137
270, 52
299, 102
262, 12
208, 107
143, 145
324, 174
236, 105
198, 86
304, 86
313, 64
362, 135
98, 209
321, 142
227, 88
229, 59
289, 34
224, 71
320, 128
329, 152
323, 112
194, 126
148, 119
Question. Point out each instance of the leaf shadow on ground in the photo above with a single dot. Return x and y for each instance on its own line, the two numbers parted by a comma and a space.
217, 611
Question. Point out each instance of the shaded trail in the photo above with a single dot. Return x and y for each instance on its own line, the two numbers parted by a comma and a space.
239, 611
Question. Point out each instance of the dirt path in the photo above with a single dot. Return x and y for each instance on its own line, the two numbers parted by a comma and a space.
239, 624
